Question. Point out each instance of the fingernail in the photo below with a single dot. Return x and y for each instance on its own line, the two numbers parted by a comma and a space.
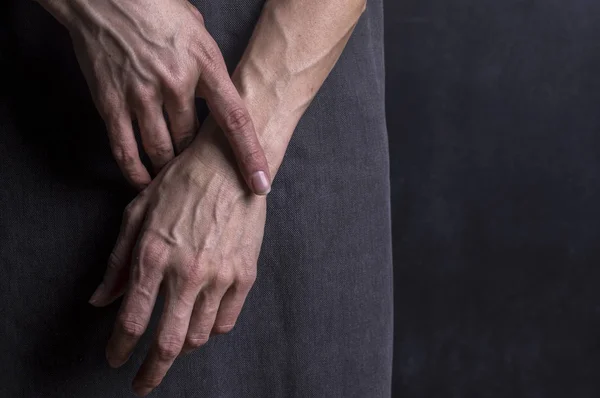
260, 182
97, 294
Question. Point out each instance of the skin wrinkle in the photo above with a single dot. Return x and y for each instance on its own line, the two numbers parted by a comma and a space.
198, 205
141, 57
142, 282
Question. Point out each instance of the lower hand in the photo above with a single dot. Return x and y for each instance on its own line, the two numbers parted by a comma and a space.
195, 234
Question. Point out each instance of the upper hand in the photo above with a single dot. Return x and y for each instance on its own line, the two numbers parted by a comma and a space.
140, 56
195, 234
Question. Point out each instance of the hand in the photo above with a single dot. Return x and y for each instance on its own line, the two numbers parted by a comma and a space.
139, 56
195, 234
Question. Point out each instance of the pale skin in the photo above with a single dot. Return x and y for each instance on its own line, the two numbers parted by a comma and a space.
141, 57
195, 232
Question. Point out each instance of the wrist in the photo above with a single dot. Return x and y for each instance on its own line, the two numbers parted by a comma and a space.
268, 100
211, 157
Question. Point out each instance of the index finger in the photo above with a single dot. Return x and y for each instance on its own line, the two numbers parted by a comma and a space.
231, 115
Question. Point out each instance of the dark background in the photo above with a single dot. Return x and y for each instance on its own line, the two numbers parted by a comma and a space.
494, 124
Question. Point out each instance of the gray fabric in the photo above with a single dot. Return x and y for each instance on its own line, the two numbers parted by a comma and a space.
317, 323
496, 184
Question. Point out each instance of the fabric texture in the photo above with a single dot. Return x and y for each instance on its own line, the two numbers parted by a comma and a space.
496, 192
318, 321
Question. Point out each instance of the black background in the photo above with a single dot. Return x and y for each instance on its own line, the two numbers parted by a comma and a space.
494, 124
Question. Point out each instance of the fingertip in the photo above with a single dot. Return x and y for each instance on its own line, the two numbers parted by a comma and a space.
98, 295
139, 390
260, 183
112, 361
104, 301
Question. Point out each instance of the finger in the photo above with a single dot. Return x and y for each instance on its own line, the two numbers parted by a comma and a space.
231, 115
155, 134
115, 278
207, 306
144, 283
183, 120
125, 151
231, 306
202, 320
169, 339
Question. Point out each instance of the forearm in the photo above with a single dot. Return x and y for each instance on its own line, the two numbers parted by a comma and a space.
293, 48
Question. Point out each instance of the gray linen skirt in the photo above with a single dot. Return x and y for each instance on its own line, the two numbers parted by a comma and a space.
318, 321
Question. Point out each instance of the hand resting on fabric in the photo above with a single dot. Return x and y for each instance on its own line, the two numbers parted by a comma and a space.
195, 233
142, 56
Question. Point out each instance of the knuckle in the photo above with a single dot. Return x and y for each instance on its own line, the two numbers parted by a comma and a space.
247, 275
153, 253
211, 54
237, 120
108, 102
146, 94
224, 279
188, 269
124, 155
196, 341
254, 155
190, 281
185, 274
168, 348
160, 150
178, 84
193, 277
175, 88
247, 279
108, 109
130, 326
210, 57
198, 14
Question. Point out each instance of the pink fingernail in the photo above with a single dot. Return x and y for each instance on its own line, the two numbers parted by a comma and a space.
260, 182
97, 294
